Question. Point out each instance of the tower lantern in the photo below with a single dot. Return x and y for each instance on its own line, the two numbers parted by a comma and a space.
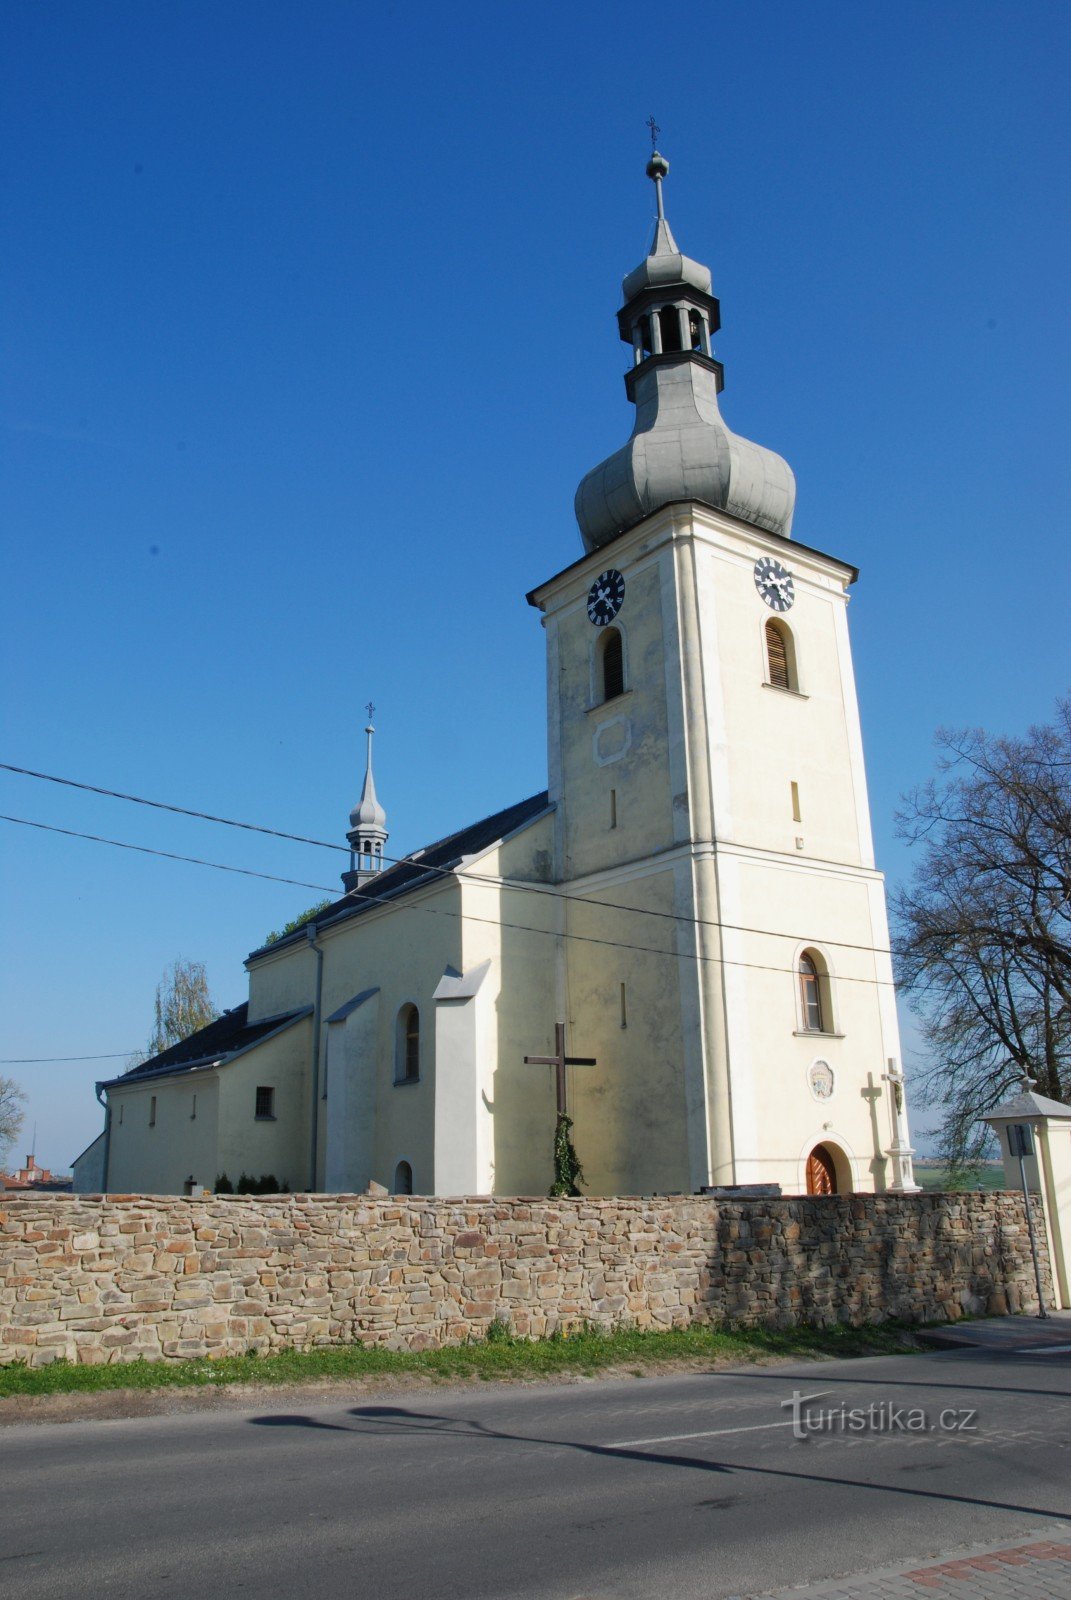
680, 449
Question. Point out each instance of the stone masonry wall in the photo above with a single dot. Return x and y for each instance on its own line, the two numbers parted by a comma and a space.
112, 1279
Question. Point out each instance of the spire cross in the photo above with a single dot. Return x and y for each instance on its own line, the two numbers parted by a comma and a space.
559, 1061
655, 131
370, 708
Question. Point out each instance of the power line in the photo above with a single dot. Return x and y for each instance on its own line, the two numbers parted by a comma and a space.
44, 1061
463, 916
169, 855
474, 877
162, 805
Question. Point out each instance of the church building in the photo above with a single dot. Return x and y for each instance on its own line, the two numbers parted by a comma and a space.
686, 929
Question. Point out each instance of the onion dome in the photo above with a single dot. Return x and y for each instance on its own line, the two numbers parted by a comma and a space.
680, 447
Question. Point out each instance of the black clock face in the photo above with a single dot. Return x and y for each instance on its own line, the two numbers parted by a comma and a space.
605, 597
774, 583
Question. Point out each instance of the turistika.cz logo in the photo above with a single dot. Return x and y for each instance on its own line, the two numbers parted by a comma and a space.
880, 1416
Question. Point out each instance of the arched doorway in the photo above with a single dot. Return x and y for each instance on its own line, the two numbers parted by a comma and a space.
403, 1178
821, 1171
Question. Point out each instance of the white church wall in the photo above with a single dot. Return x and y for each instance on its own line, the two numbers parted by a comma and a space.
630, 1110
829, 912
769, 738
518, 1004
619, 746
349, 1093
160, 1136
278, 1144
401, 950
281, 980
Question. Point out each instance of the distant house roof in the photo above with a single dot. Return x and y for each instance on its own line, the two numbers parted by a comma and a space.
422, 867
220, 1041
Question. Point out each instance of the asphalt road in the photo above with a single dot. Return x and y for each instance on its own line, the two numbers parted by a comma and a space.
684, 1486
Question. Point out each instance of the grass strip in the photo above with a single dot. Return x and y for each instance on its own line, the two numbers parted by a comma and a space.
499, 1355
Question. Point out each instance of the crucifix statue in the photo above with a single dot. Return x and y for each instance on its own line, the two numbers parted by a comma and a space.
567, 1167
900, 1150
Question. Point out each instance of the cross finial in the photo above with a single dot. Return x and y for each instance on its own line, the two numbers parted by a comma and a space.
370, 708
655, 131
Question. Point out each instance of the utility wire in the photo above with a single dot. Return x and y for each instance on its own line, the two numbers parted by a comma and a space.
169, 855
44, 1061
162, 805
473, 877
462, 916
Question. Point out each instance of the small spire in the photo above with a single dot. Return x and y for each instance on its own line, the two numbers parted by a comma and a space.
367, 832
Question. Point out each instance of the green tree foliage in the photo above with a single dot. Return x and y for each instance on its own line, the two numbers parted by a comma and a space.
12, 1099
567, 1169
983, 930
299, 922
182, 1005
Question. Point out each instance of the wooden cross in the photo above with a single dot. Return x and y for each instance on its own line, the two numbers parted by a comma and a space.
559, 1061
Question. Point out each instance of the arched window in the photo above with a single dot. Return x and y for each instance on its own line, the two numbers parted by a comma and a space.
815, 1009
403, 1178
780, 656
407, 1046
613, 664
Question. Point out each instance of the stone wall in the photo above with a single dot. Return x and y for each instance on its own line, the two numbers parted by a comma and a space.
112, 1279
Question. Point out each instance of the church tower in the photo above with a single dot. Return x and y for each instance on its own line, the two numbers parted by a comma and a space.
726, 951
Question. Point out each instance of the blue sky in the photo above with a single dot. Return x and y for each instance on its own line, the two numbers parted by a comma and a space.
309, 337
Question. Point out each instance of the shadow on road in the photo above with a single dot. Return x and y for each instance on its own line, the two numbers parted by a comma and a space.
380, 1420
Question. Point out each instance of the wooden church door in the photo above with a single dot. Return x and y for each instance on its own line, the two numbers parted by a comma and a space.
821, 1173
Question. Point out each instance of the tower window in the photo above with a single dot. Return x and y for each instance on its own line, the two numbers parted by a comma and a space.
781, 657
816, 1011
407, 1046
265, 1103
152, 1112
613, 664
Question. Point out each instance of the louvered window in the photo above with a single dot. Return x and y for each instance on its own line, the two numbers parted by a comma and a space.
613, 666
777, 656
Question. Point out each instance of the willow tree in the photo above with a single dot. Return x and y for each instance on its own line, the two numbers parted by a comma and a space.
182, 1005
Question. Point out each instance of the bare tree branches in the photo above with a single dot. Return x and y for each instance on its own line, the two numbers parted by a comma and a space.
983, 931
12, 1099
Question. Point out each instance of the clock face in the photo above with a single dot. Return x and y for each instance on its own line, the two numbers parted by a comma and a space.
605, 597
774, 583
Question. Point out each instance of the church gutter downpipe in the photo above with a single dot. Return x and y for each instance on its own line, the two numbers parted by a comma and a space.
314, 1111
102, 1099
